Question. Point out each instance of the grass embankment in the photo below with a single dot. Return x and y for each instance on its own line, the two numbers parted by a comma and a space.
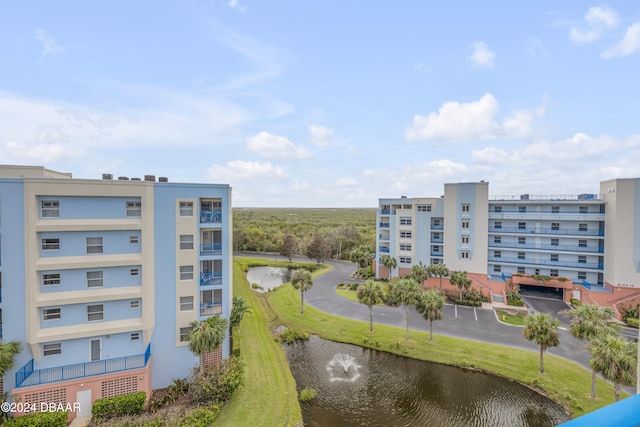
565, 382
512, 317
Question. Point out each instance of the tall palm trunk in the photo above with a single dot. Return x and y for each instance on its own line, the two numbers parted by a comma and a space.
202, 362
616, 390
431, 330
593, 383
406, 317
541, 360
370, 318
301, 301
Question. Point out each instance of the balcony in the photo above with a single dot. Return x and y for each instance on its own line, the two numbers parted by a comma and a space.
209, 249
384, 237
436, 253
547, 263
384, 225
211, 217
552, 231
210, 279
210, 308
383, 249
385, 211
27, 376
548, 247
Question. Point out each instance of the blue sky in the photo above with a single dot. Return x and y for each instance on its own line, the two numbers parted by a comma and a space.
325, 103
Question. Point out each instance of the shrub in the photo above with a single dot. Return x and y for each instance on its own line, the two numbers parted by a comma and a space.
392, 298
291, 335
468, 302
562, 279
202, 417
514, 298
40, 419
217, 385
632, 321
119, 406
575, 302
308, 394
164, 397
630, 311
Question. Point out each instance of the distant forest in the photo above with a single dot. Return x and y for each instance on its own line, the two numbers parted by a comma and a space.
338, 230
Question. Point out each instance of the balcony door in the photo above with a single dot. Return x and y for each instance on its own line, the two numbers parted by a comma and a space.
95, 347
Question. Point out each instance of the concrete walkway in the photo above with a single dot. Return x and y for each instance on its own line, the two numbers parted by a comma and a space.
80, 422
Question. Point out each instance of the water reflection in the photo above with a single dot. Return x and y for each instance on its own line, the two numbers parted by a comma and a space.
389, 390
268, 278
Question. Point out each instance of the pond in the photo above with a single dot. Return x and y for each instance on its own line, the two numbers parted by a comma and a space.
268, 278
363, 387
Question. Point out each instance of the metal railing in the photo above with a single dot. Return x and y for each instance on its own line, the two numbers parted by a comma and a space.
211, 249
546, 246
210, 216
27, 376
542, 262
554, 231
209, 308
383, 249
559, 197
208, 279
384, 225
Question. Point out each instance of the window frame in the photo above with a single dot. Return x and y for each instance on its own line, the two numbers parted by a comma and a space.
582, 259
134, 304
95, 247
184, 305
464, 239
54, 349
465, 224
95, 312
54, 208
183, 332
465, 207
133, 272
134, 240
185, 243
186, 274
184, 207
133, 209
134, 336
583, 227
49, 314
554, 257
405, 260
464, 254
44, 279
406, 234
50, 243
95, 279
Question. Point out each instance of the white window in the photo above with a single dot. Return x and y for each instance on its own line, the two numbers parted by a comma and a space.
498, 225
186, 241
183, 333
135, 336
522, 240
582, 275
51, 279
134, 272
435, 249
465, 223
407, 206
497, 239
465, 240
405, 246
466, 207
436, 236
522, 226
50, 209
497, 268
582, 259
133, 239
405, 260
554, 273
134, 209
424, 208
555, 209
134, 303
555, 226
50, 244
521, 255
496, 254
186, 303
186, 272
583, 227
498, 209
405, 234
553, 257
51, 313
464, 254
584, 209
404, 220
51, 349
521, 270
95, 279
582, 243
95, 312
186, 208
94, 245
522, 208
555, 242
436, 223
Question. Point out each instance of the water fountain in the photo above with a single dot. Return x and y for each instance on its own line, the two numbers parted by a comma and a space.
343, 367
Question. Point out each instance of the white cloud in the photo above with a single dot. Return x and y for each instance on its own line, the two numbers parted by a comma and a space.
598, 20
40, 153
628, 45
482, 56
234, 4
49, 45
272, 146
320, 135
476, 120
241, 170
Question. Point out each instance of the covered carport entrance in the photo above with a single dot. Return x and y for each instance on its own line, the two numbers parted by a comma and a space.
542, 292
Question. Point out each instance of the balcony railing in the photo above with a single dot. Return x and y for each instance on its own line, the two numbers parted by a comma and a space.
209, 308
436, 253
549, 247
547, 263
211, 249
383, 249
554, 231
210, 216
384, 225
568, 212
437, 227
27, 376
208, 279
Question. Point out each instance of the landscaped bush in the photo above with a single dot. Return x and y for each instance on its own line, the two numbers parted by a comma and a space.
291, 335
119, 406
365, 272
164, 397
630, 311
575, 302
310, 267
392, 298
202, 417
514, 298
475, 295
468, 302
632, 321
39, 419
218, 384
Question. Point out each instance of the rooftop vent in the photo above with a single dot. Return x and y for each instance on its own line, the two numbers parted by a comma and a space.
107, 176
151, 178
163, 179
136, 179
123, 178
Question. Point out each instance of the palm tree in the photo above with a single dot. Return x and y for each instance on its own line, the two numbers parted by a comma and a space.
589, 322
370, 294
542, 328
302, 280
206, 336
438, 270
409, 293
430, 306
389, 262
420, 273
238, 309
8, 350
615, 358
460, 279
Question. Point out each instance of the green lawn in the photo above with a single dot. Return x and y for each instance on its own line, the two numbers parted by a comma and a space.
512, 317
269, 396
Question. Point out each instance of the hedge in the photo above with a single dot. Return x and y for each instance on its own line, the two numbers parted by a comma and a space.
119, 406
40, 419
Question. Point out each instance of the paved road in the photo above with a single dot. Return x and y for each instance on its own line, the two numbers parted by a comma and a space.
458, 321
